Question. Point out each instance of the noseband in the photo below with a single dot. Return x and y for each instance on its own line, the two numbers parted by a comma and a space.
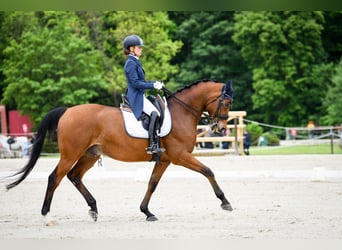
225, 95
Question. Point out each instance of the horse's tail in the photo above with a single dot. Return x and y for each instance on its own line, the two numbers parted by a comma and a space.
48, 124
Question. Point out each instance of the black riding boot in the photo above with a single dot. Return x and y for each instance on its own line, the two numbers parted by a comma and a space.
153, 137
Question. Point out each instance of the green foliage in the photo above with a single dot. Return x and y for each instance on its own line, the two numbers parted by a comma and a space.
255, 131
272, 139
153, 28
52, 64
281, 62
332, 35
283, 49
2, 47
210, 53
333, 100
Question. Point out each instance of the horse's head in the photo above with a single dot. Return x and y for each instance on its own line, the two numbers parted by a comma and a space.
207, 97
219, 107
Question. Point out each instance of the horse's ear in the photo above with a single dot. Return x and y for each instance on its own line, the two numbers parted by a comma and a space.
229, 88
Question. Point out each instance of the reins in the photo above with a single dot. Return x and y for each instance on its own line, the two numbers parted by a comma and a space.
169, 94
205, 120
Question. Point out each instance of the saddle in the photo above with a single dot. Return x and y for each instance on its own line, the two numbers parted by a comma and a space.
130, 121
157, 101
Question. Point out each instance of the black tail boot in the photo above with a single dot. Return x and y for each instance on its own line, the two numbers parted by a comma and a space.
154, 148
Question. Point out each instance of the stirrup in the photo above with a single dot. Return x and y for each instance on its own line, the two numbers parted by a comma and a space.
154, 149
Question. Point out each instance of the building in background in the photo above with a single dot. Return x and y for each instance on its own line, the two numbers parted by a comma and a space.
18, 125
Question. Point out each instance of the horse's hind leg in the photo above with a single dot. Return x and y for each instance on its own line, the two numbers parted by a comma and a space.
158, 171
63, 167
75, 176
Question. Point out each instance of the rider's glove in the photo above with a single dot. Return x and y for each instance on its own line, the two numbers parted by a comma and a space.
158, 85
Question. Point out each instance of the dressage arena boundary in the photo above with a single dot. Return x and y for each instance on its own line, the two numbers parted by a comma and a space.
229, 167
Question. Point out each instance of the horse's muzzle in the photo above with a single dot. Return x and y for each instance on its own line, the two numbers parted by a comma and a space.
218, 129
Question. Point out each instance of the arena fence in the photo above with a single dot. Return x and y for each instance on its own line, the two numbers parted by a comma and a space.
235, 129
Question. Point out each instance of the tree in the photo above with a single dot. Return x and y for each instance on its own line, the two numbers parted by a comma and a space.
51, 64
332, 35
2, 47
210, 53
153, 28
283, 49
12, 25
333, 100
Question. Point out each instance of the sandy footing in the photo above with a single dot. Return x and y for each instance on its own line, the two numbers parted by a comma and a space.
273, 197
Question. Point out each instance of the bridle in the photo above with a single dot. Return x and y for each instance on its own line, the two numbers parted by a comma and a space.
217, 116
205, 118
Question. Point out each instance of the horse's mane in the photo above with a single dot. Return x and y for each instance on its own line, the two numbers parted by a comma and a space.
189, 86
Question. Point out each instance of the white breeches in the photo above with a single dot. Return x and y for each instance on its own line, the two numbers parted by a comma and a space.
149, 107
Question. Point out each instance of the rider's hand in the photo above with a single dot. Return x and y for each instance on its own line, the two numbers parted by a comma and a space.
158, 85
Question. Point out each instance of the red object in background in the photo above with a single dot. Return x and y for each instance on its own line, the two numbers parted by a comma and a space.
3, 119
19, 124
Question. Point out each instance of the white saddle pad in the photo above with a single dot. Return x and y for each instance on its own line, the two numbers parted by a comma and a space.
135, 129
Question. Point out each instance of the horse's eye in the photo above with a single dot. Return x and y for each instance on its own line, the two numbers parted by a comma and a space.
226, 104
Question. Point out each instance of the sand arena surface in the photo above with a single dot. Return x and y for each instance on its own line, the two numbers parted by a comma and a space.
282, 197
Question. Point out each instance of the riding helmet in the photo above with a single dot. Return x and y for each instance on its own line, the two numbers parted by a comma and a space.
132, 40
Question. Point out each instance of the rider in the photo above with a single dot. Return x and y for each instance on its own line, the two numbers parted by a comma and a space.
136, 86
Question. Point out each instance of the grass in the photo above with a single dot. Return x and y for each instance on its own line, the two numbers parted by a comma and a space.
296, 149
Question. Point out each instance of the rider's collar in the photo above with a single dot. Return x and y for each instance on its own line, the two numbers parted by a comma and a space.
134, 56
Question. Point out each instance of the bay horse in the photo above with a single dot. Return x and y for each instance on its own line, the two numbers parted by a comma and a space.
85, 132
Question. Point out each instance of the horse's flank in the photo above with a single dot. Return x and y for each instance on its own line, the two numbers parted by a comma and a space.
104, 128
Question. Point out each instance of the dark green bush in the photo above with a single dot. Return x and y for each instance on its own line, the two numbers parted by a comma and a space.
255, 131
272, 139
50, 144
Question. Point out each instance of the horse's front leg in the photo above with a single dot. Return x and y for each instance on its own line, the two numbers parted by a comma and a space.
189, 161
158, 171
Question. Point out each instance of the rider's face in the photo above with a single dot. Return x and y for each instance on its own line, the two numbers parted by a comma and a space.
137, 50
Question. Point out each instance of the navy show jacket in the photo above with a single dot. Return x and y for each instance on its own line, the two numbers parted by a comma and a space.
136, 84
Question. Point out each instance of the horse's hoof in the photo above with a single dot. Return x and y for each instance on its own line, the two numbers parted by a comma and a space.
49, 221
152, 218
227, 207
93, 215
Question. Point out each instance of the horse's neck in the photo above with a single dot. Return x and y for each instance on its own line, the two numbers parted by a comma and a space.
195, 98
191, 106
